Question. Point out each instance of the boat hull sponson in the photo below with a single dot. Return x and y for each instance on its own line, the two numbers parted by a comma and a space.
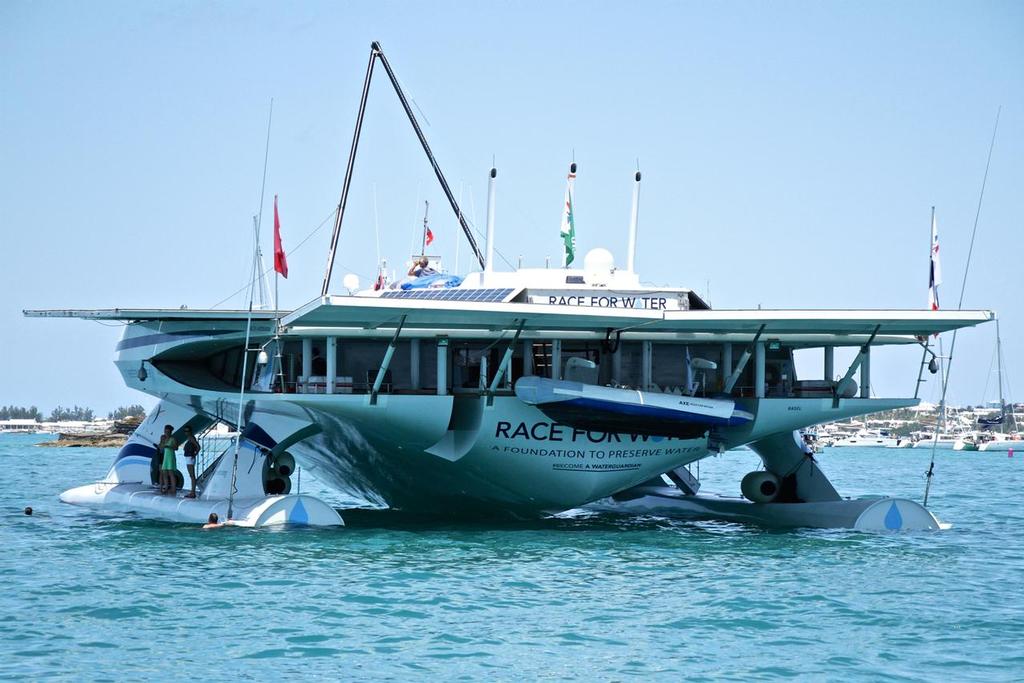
459, 455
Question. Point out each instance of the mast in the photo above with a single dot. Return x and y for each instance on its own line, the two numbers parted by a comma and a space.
999, 370
376, 52
423, 245
258, 258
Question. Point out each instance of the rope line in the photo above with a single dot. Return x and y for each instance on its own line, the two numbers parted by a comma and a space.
959, 306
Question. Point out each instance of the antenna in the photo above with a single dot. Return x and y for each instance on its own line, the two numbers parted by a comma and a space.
491, 180
634, 218
261, 273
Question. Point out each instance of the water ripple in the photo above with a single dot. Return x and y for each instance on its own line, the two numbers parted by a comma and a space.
583, 595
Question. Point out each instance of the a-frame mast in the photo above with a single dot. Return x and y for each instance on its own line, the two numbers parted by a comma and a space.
377, 53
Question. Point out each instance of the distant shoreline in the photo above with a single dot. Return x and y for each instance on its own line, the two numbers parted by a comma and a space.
108, 440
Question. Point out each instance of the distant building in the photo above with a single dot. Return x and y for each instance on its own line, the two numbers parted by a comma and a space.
20, 425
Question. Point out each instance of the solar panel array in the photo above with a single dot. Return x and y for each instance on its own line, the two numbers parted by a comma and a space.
450, 294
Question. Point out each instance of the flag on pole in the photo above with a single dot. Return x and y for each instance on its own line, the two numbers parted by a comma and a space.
280, 262
429, 236
568, 227
935, 271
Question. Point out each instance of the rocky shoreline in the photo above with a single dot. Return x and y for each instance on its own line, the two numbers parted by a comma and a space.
108, 440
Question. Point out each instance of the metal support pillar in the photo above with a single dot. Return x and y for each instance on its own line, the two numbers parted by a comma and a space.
830, 363
865, 374
645, 366
759, 369
414, 363
332, 363
527, 357
307, 362
442, 366
556, 359
726, 362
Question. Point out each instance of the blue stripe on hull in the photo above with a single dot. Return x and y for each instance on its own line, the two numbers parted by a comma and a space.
135, 448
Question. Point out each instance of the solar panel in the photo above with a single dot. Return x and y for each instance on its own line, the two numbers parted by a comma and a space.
451, 294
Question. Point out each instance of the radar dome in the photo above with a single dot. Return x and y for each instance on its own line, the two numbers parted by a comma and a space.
598, 266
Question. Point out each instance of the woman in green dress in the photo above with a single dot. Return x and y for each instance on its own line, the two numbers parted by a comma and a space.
168, 464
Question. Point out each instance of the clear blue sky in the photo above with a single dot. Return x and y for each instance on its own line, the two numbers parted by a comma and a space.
791, 153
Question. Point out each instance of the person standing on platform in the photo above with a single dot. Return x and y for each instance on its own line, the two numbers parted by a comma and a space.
168, 464
191, 451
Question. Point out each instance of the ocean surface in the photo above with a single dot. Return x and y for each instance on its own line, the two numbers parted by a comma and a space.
597, 597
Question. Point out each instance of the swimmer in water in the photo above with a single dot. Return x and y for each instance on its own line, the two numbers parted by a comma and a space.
213, 522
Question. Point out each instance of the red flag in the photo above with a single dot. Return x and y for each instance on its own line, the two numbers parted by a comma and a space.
280, 262
430, 237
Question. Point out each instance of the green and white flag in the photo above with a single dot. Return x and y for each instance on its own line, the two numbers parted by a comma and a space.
568, 228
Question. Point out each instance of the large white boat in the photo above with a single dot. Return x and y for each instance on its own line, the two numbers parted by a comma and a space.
1009, 443
526, 392
942, 440
873, 438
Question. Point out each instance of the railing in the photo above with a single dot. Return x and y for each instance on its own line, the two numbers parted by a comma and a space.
212, 445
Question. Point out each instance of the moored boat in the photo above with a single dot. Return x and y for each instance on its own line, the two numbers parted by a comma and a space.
503, 393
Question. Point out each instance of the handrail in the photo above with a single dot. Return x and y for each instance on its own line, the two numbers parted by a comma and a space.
211, 449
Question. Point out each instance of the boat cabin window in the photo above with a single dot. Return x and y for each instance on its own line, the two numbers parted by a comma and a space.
357, 362
630, 365
678, 368
470, 360
593, 352
675, 367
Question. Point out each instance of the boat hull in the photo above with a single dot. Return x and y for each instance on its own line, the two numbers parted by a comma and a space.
463, 457
1003, 446
868, 514
255, 512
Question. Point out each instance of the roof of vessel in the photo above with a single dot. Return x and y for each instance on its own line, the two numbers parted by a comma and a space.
373, 313
131, 314
841, 327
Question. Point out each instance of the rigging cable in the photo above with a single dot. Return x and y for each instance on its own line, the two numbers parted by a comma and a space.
248, 326
289, 253
960, 304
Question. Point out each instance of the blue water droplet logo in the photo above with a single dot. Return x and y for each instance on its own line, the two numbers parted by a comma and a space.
893, 518
300, 515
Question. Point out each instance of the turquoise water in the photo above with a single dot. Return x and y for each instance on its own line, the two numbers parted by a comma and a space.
91, 597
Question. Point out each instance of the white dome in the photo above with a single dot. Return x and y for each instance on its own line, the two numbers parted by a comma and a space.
351, 282
598, 266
